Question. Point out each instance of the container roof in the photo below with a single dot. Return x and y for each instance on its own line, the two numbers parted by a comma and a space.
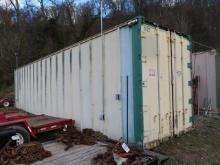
166, 28
127, 23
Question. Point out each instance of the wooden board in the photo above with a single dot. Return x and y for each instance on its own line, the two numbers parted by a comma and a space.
77, 155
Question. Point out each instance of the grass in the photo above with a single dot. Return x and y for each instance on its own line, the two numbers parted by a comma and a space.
199, 146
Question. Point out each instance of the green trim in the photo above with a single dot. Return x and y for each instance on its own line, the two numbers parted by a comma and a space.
190, 119
137, 82
189, 47
217, 67
193, 120
189, 65
190, 83
190, 101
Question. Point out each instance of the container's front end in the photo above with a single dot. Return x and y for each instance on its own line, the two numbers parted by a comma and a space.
166, 84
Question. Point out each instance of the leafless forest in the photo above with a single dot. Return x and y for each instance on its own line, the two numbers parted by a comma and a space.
31, 30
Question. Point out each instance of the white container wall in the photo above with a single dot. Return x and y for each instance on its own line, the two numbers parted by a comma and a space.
132, 82
204, 67
69, 84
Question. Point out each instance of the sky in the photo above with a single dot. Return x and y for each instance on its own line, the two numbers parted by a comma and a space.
35, 2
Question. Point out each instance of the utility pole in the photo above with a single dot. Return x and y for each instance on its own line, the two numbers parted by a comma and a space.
101, 18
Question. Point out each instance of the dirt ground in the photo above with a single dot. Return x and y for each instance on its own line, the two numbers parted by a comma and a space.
200, 146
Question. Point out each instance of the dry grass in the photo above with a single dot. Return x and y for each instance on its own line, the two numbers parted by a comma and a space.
197, 147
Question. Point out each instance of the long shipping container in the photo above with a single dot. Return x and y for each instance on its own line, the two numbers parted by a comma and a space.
132, 82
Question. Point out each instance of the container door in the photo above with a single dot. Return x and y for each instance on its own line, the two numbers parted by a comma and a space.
164, 83
157, 86
150, 84
177, 71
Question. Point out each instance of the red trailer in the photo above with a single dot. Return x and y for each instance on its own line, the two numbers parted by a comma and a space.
27, 126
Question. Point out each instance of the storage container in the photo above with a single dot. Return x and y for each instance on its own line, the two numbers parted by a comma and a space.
132, 82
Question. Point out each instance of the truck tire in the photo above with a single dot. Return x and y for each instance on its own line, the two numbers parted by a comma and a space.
6, 103
22, 133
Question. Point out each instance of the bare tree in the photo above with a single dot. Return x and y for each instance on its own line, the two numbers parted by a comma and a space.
70, 8
16, 7
24, 31
42, 7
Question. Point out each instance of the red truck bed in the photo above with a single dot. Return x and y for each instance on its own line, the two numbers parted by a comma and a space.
44, 123
41, 121
35, 124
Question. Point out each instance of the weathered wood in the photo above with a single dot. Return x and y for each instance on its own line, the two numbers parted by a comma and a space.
79, 154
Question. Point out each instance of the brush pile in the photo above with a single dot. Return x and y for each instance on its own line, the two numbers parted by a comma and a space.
23, 154
73, 137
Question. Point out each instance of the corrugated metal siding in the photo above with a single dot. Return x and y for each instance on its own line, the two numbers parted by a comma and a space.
112, 85
76, 88
69, 84
204, 67
97, 75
